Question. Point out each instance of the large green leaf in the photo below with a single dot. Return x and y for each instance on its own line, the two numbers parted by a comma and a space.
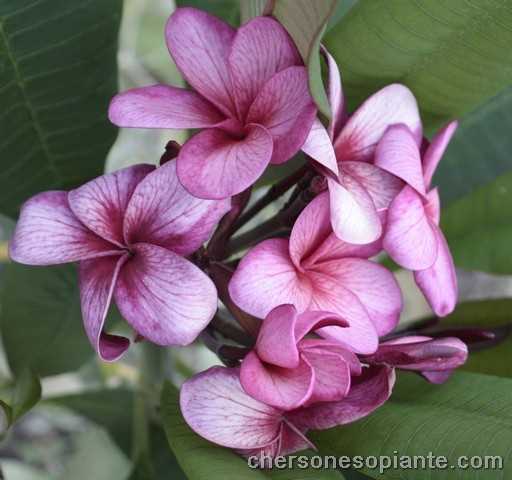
479, 227
470, 415
453, 54
57, 73
228, 10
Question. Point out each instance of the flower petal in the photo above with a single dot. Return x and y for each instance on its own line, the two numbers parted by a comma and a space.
261, 48
392, 104
433, 206
283, 388
97, 279
164, 297
285, 108
266, 278
162, 212
214, 165
322, 345
215, 406
318, 146
436, 150
335, 95
410, 238
439, 282
310, 321
48, 233
101, 203
200, 44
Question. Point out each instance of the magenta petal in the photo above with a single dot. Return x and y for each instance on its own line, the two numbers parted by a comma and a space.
97, 279
200, 45
367, 393
390, 105
439, 282
410, 238
266, 278
162, 106
433, 206
285, 108
309, 321
215, 165
162, 212
215, 406
283, 388
164, 297
261, 48
437, 377
436, 150
318, 146
101, 203
322, 345
398, 153
48, 233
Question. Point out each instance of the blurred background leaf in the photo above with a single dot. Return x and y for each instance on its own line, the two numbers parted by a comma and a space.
228, 10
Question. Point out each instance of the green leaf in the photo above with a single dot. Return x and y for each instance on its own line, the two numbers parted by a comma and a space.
57, 73
478, 227
306, 21
40, 320
252, 8
480, 150
26, 394
228, 10
470, 415
453, 54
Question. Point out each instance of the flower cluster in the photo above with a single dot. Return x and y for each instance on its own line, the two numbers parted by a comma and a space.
324, 309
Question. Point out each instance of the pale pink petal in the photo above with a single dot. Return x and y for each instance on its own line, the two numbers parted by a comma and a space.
215, 406
215, 165
267, 278
283, 388
285, 108
48, 233
439, 282
436, 150
433, 206
310, 321
322, 345
318, 146
367, 393
97, 279
335, 94
200, 45
410, 238
163, 296
163, 213
101, 203
360, 135
162, 106
261, 48
398, 153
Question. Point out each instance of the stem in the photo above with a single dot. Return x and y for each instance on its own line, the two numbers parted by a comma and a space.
231, 331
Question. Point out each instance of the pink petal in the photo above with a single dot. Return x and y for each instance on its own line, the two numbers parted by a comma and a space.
163, 213
261, 48
398, 153
101, 203
433, 206
436, 150
318, 146
439, 282
437, 377
98, 278
266, 278
164, 297
392, 104
367, 393
375, 287
410, 238
215, 165
283, 388
200, 45
310, 321
335, 94
48, 233
162, 106
285, 108
322, 345
215, 406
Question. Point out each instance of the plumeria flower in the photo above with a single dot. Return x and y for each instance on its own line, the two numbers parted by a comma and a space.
413, 238
314, 270
215, 406
287, 370
130, 231
250, 96
435, 359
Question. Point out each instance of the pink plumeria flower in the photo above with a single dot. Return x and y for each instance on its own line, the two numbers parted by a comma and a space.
287, 370
413, 238
216, 407
250, 95
314, 270
434, 358
360, 191
130, 231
